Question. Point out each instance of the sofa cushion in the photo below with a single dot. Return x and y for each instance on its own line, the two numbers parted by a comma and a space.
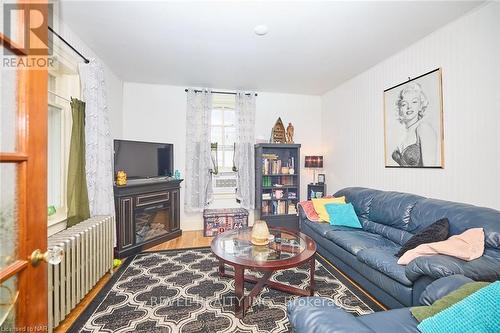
383, 260
393, 208
309, 211
486, 268
355, 241
394, 234
442, 287
398, 320
321, 315
475, 313
319, 206
343, 215
436, 232
396, 290
361, 199
324, 227
423, 312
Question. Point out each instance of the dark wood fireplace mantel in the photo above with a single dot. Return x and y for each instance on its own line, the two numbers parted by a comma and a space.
147, 213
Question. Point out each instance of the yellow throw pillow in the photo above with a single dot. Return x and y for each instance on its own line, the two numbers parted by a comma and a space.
319, 206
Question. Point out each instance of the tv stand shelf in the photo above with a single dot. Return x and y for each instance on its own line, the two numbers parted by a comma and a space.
147, 214
147, 181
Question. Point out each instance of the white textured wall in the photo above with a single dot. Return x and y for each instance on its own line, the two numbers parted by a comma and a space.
158, 113
468, 51
114, 85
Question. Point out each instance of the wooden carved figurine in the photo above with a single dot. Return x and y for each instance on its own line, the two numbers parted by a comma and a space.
289, 133
278, 134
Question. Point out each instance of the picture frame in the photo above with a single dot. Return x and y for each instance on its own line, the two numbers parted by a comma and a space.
321, 178
413, 123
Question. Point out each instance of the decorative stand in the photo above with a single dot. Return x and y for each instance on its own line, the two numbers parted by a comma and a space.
316, 191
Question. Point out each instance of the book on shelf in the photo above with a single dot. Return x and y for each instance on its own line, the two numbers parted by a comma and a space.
274, 207
266, 181
279, 207
265, 166
287, 180
271, 166
281, 181
292, 209
266, 208
270, 156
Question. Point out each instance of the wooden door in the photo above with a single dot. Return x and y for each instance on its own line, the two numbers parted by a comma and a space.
23, 187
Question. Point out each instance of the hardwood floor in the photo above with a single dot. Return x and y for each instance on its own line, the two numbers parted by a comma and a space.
187, 240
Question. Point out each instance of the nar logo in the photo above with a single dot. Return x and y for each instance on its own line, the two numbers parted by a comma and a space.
25, 24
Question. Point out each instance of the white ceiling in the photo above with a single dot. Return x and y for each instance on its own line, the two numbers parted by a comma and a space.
311, 47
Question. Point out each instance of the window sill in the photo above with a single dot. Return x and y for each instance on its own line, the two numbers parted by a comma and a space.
224, 195
56, 219
56, 223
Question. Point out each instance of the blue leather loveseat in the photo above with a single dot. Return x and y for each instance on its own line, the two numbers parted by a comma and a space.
317, 315
389, 219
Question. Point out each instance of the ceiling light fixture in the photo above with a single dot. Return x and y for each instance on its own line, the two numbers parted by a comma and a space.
261, 30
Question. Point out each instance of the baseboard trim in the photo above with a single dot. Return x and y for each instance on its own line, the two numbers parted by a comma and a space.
354, 283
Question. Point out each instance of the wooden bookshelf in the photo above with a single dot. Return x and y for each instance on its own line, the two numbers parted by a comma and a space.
277, 191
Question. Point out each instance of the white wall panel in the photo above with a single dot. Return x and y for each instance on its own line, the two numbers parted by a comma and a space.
468, 51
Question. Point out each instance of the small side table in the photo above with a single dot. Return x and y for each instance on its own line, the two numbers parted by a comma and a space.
316, 190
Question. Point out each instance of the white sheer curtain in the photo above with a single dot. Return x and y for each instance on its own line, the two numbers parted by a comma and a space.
98, 148
198, 182
244, 150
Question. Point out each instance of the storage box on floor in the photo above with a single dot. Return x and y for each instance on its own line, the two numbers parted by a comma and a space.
216, 221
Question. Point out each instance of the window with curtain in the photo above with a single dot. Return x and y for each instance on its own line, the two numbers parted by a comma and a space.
63, 83
56, 158
223, 132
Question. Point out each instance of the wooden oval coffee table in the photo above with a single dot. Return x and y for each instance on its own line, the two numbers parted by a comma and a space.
288, 249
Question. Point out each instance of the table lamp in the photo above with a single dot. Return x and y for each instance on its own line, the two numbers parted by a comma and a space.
314, 162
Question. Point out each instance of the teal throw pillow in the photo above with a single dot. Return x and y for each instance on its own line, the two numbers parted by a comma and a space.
343, 215
478, 312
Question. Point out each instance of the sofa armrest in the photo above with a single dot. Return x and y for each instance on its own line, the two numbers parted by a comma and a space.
434, 266
442, 287
485, 268
321, 315
302, 214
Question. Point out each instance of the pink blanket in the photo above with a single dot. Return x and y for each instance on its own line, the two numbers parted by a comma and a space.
468, 246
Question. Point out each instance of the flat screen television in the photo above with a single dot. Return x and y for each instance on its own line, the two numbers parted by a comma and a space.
142, 160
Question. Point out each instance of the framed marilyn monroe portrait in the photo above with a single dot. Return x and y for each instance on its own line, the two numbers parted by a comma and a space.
413, 123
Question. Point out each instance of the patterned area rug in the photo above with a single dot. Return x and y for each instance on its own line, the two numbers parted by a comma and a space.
181, 291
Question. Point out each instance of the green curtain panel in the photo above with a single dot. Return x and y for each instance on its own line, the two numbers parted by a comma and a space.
78, 199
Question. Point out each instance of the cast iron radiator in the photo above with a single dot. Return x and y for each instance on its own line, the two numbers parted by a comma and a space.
88, 255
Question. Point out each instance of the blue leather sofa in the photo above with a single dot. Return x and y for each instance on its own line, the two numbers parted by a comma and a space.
318, 315
389, 219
